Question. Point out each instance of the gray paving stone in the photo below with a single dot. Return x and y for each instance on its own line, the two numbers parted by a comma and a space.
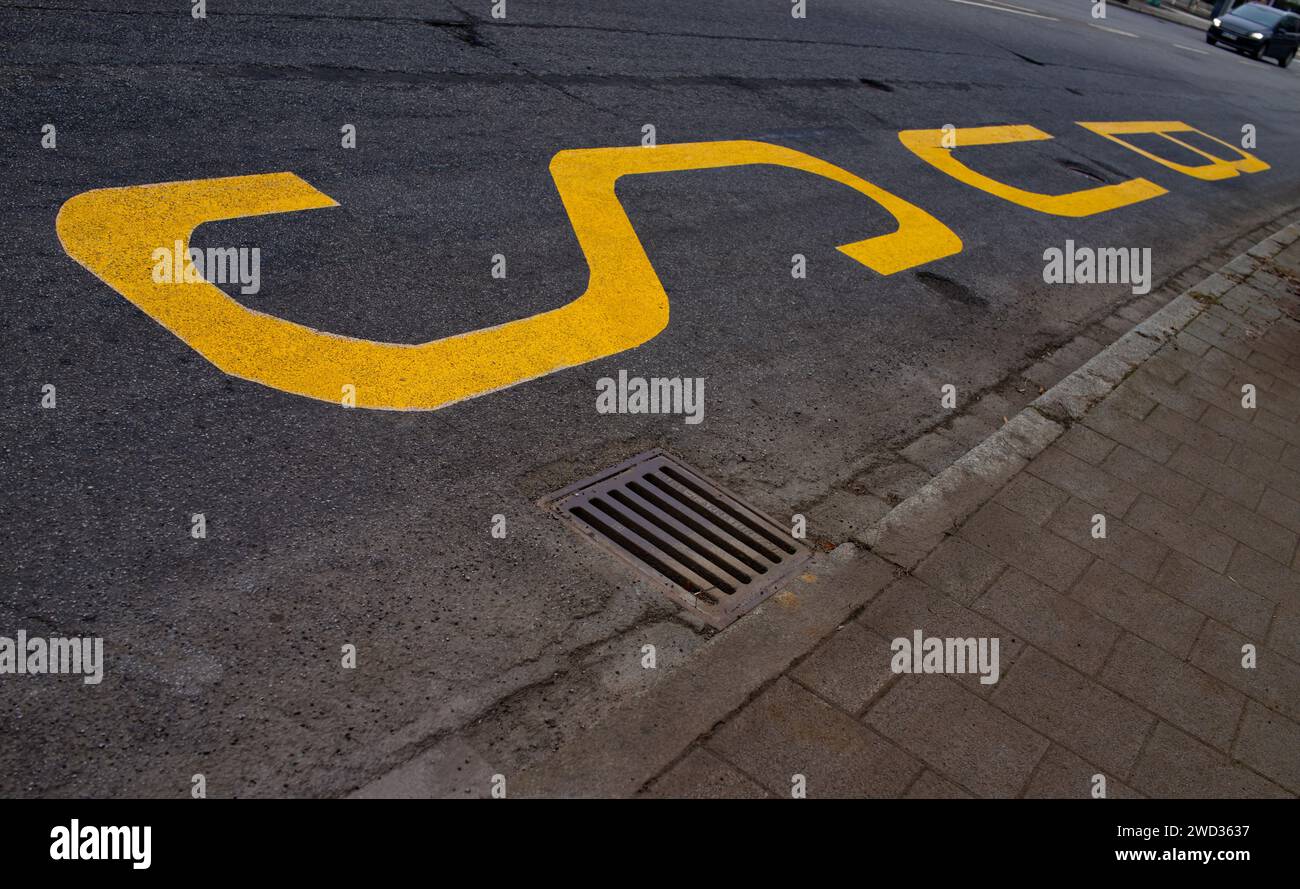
1086, 444
1176, 531
1247, 526
1175, 765
1217, 595
909, 605
1049, 620
1176, 691
1291, 457
1063, 775
1164, 369
1201, 365
1141, 437
1201, 328
1019, 542
1201, 390
702, 775
1273, 474
1283, 429
1189, 343
1124, 546
1074, 711
1211, 322
848, 668
933, 786
961, 570
1260, 574
1032, 497
960, 734
1274, 680
1256, 439
1127, 400
1218, 367
1144, 474
1083, 480
1191, 432
1281, 509
787, 731
1177, 396
1195, 464
1284, 637
1142, 610
1270, 744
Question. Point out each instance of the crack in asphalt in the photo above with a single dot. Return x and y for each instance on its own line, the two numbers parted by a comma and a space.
510, 78
543, 26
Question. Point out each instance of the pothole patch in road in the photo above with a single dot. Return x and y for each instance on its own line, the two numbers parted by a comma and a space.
710, 551
950, 289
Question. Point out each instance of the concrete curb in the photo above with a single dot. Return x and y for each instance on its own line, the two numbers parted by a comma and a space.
644, 737
913, 528
1177, 16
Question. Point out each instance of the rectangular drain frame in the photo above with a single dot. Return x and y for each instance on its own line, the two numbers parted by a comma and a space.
710, 551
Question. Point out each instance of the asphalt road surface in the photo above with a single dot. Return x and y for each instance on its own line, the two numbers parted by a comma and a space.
328, 526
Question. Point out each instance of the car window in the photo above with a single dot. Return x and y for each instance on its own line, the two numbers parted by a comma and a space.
1260, 15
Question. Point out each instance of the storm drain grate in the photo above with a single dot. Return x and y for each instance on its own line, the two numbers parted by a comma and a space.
710, 551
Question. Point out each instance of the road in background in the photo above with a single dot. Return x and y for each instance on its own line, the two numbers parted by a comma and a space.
329, 527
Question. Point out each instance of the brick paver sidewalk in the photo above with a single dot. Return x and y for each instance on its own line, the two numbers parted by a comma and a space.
1121, 656
1163, 657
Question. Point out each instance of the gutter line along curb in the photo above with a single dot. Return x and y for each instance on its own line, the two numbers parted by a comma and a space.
643, 738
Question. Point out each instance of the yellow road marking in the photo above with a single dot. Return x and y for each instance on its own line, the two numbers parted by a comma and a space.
928, 145
113, 232
1217, 168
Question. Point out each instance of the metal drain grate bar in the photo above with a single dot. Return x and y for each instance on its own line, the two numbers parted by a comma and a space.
710, 551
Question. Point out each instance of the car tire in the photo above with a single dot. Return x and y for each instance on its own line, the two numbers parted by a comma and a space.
1210, 40
1286, 59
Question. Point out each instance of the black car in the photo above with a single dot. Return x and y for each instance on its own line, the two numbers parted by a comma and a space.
1258, 30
